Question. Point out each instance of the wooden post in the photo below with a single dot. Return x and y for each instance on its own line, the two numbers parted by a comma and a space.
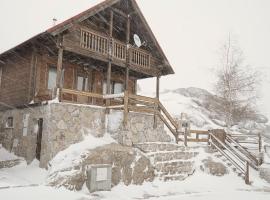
109, 69
125, 109
185, 137
157, 86
108, 89
127, 53
260, 143
59, 67
247, 173
157, 96
208, 138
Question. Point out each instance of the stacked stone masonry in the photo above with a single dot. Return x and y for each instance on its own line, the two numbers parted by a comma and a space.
171, 161
65, 124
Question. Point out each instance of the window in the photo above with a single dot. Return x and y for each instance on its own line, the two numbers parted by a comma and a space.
9, 122
116, 87
52, 77
25, 123
82, 83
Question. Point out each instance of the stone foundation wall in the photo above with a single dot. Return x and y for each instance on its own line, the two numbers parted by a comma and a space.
65, 124
140, 128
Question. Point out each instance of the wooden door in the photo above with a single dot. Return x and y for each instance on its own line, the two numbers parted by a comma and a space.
39, 138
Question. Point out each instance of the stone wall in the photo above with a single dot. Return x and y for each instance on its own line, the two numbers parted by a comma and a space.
139, 129
65, 124
129, 166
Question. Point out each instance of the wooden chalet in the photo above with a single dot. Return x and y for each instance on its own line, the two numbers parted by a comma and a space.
84, 58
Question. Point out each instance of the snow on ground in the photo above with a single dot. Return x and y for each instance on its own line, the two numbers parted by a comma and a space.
200, 186
5, 155
22, 175
72, 155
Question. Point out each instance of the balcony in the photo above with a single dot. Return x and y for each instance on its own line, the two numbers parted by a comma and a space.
97, 43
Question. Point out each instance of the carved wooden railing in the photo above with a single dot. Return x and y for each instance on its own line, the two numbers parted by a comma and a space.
119, 50
140, 58
98, 43
94, 42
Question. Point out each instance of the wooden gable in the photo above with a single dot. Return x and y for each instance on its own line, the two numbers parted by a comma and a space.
97, 19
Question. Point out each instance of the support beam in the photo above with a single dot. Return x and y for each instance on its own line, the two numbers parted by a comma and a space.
59, 67
127, 58
109, 69
157, 87
157, 96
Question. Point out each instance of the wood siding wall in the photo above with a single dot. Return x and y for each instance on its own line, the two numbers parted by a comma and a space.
96, 79
16, 86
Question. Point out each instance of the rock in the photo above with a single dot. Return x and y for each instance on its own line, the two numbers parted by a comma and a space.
129, 165
9, 163
214, 168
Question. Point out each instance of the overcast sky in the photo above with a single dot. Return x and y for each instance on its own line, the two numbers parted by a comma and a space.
189, 31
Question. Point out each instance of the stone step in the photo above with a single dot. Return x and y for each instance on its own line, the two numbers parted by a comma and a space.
175, 167
172, 155
173, 177
156, 147
171, 161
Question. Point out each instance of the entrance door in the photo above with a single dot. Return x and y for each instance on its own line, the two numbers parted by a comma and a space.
39, 138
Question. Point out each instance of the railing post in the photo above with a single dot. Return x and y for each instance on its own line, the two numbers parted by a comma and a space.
185, 137
208, 138
247, 173
260, 143
125, 119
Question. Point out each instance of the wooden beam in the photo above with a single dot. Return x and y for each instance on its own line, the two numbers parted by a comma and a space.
59, 62
157, 86
119, 12
157, 96
109, 69
125, 120
127, 79
127, 57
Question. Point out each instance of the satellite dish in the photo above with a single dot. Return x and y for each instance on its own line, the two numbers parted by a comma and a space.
137, 40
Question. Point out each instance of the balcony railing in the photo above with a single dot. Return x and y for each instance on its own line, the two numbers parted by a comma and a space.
97, 43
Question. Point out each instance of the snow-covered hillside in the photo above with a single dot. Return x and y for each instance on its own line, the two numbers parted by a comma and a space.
199, 104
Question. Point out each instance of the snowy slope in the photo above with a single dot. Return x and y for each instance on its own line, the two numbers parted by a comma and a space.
199, 105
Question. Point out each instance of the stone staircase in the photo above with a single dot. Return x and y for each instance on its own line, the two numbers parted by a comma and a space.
171, 161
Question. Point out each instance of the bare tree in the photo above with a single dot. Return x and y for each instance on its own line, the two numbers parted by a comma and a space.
236, 85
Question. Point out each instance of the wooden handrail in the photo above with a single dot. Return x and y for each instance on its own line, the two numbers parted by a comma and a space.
233, 152
173, 131
224, 146
81, 93
244, 151
167, 114
143, 98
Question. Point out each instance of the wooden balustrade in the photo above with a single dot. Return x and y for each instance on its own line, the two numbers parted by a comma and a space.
119, 50
98, 43
94, 42
139, 58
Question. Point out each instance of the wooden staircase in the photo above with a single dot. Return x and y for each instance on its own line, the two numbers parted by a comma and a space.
236, 154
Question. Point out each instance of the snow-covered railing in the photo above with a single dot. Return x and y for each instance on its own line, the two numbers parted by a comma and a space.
239, 161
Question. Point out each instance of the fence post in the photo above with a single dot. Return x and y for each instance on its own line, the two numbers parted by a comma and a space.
125, 108
247, 173
260, 143
208, 138
185, 136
